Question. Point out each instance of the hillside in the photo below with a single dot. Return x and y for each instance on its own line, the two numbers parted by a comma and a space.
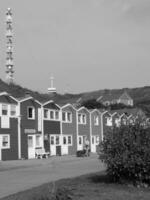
141, 96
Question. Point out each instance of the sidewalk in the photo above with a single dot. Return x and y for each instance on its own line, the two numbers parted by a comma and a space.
19, 164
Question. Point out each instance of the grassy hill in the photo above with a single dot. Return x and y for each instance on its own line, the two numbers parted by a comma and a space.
141, 96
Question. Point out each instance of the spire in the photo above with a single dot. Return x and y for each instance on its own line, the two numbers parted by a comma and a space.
9, 47
52, 89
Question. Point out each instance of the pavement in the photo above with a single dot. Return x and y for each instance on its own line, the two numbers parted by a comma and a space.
20, 175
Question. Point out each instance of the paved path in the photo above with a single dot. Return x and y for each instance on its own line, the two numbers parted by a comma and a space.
16, 176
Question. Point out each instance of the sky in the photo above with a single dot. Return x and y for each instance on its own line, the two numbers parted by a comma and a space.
86, 44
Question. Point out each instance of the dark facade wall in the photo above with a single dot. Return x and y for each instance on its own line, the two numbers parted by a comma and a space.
51, 127
71, 129
96, 130
106, 128
12, 153
84, 129
28, 124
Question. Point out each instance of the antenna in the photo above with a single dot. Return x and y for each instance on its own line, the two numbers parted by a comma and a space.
9, 47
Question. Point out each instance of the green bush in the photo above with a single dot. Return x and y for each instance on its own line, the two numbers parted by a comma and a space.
126, 153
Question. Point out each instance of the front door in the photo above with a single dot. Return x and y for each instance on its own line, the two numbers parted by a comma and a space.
31, 146
53, 145
93, 144
80, 143
65, 145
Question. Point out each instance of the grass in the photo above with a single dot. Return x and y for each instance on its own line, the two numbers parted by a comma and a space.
87, 187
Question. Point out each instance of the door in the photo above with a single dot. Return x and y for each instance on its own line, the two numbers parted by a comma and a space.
80, 143
31, 146
93, 144
53, 145
64, 145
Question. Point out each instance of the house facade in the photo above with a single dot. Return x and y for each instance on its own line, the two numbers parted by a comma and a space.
83, 127
69, 129
30, 123
52, 128
95, 126
8, 127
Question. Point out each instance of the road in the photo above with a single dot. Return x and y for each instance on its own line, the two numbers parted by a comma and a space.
16, 176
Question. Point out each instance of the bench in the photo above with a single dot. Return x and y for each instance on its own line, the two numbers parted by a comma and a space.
40, 153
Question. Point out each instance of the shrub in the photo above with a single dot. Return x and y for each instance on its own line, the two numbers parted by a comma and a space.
126, 153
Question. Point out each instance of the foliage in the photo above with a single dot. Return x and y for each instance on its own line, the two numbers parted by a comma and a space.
126, 153
92, 104
119, 106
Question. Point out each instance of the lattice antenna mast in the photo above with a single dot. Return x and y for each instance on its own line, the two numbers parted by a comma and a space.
9, 48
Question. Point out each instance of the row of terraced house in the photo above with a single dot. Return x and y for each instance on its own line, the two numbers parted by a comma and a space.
27, 125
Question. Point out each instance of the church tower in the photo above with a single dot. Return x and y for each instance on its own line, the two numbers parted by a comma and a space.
52, 89
9, 48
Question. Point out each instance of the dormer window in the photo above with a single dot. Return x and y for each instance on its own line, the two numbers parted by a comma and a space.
4, 109
31, 113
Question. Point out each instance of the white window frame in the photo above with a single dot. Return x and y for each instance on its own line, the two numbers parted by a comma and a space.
54, 114
4, 135
96, 120
109, 121
3, 104
68, 140
54, 140
66, 120
15, 110
81, 121
40, 140
33, 112
45, 109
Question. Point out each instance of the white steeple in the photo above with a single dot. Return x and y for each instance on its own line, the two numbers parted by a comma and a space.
51, 89
9, 47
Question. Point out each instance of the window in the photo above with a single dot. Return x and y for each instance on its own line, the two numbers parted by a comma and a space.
56, 115
52, 140
93, 139
96, 120
67, 117
4, 109
51, 114
70, 140
57, 140
64, 140
38, 141
81, 118
64, 116
31, 113
109, 121
5, 141
13, 110
46, 113
80, 140
84, 119
97, 139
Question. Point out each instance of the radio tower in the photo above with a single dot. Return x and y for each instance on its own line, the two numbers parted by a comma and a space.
9, 48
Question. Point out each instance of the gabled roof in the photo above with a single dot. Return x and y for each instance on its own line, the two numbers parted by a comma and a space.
68, 105
52, 105
110, 97
125, 95
7, 98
